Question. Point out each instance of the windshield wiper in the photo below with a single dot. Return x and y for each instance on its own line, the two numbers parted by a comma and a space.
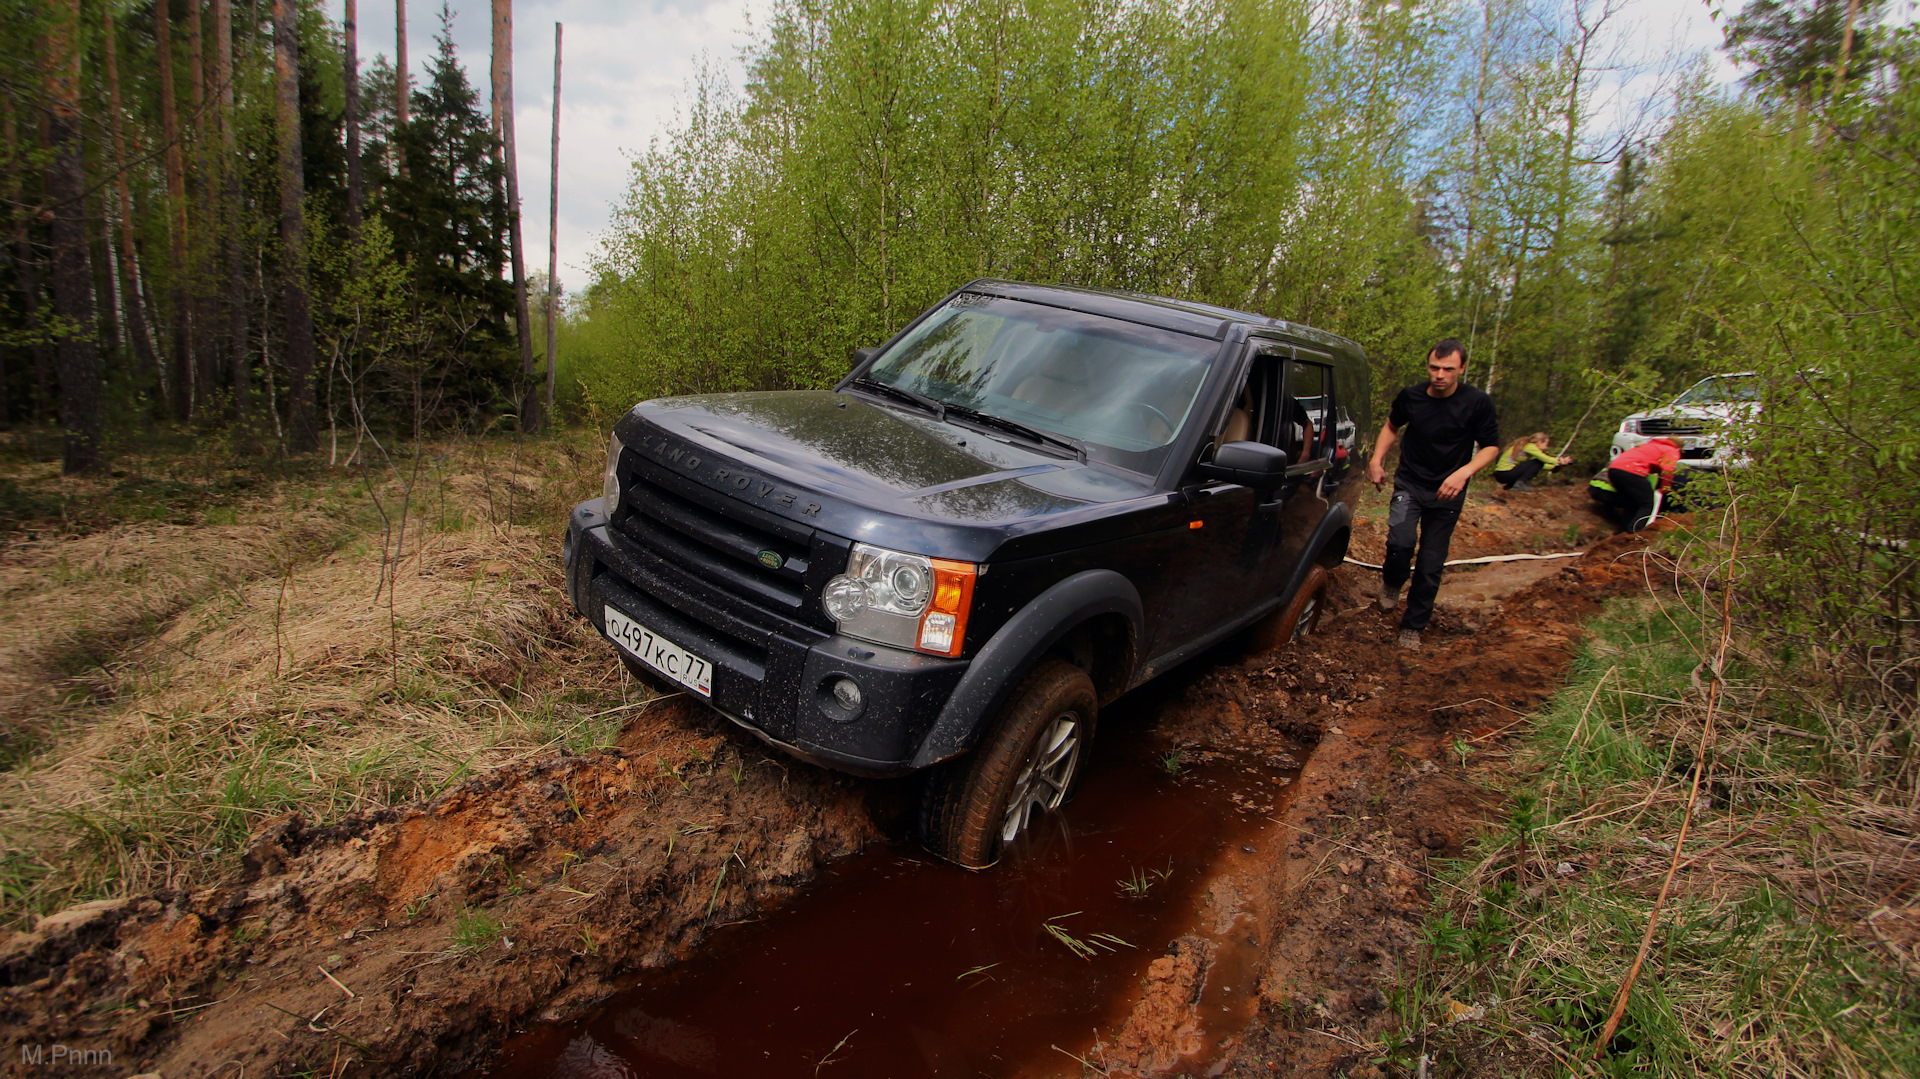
988, 419
887, 389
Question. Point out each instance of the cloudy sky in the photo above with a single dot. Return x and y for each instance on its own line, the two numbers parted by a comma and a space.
630, 65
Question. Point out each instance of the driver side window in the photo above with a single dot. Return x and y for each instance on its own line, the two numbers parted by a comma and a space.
1254, 416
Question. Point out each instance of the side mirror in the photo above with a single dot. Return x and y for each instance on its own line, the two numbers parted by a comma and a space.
1251, 464
862, 355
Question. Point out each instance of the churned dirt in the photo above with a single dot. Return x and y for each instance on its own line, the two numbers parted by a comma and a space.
414, 938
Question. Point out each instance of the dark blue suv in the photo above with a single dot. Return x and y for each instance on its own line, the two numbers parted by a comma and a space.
1029, 501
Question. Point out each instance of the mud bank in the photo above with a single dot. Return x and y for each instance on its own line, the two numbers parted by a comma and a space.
413, 939
416, 939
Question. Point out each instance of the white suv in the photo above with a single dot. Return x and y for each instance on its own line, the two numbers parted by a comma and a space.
1698, 420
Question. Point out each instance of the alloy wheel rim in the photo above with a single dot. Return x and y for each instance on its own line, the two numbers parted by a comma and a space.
1044, 778
1303, 625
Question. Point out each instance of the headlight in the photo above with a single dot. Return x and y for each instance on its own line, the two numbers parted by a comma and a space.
610, 485
1629, 427
906, 600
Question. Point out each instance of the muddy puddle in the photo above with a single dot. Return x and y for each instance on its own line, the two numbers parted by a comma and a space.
892, 964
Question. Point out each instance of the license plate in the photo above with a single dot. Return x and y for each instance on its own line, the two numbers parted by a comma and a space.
661, 654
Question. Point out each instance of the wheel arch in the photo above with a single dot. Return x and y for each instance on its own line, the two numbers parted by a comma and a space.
1105, 646
1097, 604
1326, 547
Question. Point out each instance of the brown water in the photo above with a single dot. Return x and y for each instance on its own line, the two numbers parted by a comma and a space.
894, 965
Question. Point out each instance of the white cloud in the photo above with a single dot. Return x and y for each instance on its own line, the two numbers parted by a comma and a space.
627, 67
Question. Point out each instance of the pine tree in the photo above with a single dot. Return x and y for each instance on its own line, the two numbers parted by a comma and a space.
448, 220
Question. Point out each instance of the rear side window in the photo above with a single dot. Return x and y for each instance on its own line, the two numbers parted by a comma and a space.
1307, 416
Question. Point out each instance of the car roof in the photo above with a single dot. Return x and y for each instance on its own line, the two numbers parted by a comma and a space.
1182, 316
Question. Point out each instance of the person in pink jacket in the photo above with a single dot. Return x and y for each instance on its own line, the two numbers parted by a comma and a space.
1630, 474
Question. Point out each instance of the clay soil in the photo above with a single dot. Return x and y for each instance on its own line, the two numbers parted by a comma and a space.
413, 939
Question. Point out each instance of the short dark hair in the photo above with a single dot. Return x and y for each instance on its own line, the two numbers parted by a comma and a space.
1449, 346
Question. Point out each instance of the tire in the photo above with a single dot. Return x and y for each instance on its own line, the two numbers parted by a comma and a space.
1027, 764
1299, 618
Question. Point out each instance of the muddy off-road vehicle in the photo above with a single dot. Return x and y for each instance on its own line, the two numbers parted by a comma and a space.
1029, 501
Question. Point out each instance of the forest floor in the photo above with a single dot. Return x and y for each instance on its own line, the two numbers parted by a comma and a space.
295, 792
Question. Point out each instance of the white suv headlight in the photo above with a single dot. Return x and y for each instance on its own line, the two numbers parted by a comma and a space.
906, 600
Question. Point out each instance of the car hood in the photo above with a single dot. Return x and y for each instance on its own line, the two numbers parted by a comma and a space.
1732, 412
869, 463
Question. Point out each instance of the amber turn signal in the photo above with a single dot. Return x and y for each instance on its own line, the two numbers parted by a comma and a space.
943, 628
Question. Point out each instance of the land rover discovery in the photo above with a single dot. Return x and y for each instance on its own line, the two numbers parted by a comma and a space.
1027, 502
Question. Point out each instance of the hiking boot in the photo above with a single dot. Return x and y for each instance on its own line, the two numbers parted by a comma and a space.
1410, 639
1389, 597
1521, 486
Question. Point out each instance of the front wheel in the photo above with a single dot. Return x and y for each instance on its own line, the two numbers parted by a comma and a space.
1299, 618
1026, 766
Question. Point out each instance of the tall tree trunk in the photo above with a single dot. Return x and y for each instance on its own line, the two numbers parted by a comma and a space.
205, 372
553, 219
72, 279
351, 64
26, 272
1846, 48
232, 209
503, 110
303, 432
402, 81
129, 277
182, 315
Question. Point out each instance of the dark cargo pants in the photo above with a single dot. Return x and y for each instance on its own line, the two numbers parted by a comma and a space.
1432, 518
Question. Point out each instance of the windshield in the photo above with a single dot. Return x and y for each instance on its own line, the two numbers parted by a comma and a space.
1120, 389
1721, 390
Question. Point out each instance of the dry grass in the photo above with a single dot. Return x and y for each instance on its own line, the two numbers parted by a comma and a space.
342, 645
1789, 942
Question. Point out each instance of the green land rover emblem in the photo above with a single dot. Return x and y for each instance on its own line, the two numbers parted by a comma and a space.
772, 559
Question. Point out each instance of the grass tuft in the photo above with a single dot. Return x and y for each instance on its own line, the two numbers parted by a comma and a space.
1787, 943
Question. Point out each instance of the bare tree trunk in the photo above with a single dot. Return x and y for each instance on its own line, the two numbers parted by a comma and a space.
72, 285
553, 219
182, 315
1846, 48
130, 302
351, 64
402, 81
303, 433
231, 211
503, 111
24, 268
206, 375
105, 295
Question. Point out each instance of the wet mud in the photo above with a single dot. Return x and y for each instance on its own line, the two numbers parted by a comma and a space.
592, 902
893, 964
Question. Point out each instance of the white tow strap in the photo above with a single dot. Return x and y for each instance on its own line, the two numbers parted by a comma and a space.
1485, 559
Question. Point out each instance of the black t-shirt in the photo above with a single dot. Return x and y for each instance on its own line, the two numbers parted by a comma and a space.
1438, 434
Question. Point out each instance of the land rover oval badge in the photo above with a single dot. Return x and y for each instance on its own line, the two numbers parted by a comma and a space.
772, 559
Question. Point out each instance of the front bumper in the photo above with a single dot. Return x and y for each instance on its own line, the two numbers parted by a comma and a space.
770, 675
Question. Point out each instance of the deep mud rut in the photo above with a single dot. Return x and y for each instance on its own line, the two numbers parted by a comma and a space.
418, 939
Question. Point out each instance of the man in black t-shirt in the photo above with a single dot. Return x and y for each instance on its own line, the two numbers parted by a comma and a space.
1447, 432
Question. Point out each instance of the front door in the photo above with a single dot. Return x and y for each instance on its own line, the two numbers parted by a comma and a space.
1241, 544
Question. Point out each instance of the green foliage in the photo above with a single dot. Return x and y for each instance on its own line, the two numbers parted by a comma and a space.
1755, 965
885, 151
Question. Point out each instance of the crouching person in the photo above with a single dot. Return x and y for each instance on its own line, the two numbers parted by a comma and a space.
1524, 460
1632, 480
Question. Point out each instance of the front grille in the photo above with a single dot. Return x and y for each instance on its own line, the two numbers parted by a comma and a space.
706, 556
1660, 426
